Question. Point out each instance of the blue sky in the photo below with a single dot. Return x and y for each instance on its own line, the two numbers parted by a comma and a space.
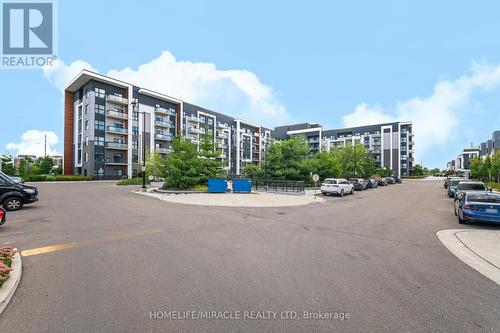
334, 63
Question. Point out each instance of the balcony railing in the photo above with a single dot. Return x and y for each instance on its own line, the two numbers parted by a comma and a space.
222, 135
193, 119
170, 112
160, 136
116, 161
117, 114
167, 124
163, 150
221, 125
117, 99
115, 129
194, 130
116, 145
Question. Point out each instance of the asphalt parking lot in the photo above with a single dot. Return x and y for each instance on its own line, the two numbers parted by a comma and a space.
100, 258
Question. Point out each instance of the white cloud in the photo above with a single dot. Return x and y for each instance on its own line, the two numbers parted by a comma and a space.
239, 93
33, 143
437, 116
59, 74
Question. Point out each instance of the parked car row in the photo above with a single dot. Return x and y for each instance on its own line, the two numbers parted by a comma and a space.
341, 186
473, 201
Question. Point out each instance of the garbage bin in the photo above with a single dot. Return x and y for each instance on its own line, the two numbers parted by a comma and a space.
217, 185
242, 185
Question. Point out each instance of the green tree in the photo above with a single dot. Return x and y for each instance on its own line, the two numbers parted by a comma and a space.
253, 171
418, 170
45, 165
8, 165
385, 171
182, 167
155, 164
24, 168
208, 154
326, 164
285, 159
356, 161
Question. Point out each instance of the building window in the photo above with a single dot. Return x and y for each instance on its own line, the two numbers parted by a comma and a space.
100, 93
135, 144
86, 108
135, 116
86, 140
135, 130
99, 141
86, 124
86, 157
99, 125
99, 158
99, 109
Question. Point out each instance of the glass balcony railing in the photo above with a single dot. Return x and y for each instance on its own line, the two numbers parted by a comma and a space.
162, 123
116, 129
161, 136
116, 161
163, 150
117, 99
116, 145
117, 114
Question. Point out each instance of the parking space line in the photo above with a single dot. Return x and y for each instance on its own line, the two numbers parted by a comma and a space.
66, 246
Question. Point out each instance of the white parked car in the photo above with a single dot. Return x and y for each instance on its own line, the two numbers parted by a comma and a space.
339, 186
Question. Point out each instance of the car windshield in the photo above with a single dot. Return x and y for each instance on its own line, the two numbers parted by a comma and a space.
471, 186
454, 182
489, 198
329, 181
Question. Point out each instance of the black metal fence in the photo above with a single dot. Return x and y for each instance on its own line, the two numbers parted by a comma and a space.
278, 185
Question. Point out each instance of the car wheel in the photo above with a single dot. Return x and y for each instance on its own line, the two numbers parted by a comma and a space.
352, 190
455, 209
460, 220
324, 193
341, 192
13, 203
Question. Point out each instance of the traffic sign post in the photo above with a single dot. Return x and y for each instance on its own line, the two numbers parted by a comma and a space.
315, 179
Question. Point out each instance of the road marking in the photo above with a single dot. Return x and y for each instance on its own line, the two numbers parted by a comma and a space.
66, 246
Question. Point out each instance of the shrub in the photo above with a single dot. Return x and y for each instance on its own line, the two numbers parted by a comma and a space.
51, 178
6, 255
132, 181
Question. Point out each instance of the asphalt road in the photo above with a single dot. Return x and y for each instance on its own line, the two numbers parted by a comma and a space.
373, 255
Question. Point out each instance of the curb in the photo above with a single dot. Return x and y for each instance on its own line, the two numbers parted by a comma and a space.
9, 287
452, 242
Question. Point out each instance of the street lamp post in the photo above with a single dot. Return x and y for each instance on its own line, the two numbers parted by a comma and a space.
135, 104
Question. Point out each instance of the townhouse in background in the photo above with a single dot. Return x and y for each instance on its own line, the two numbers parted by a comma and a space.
490, 148
390, 144
107, 121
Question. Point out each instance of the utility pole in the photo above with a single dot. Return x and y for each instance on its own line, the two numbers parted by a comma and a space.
45, 145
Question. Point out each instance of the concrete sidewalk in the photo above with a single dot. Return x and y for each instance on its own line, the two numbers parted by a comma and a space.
254, 199
478, 248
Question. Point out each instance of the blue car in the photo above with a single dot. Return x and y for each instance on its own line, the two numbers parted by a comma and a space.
479, 207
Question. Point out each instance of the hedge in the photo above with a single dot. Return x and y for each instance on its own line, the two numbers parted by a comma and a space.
57, 178
132, 181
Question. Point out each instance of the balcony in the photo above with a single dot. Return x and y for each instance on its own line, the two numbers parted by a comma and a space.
222, 145
222, 135
116, 145
169, 112
314, 140
166, 124
194, 130
117, 99
116, 161
193, 119
117, 114
194, 140
163, 150
222, 126
161, 136
115, 129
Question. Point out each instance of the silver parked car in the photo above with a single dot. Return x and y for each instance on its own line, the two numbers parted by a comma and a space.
339, 186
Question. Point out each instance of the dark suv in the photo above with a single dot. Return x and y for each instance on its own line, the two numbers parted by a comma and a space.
358, 183
14, 196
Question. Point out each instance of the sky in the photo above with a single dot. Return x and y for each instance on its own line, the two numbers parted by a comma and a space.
279, 62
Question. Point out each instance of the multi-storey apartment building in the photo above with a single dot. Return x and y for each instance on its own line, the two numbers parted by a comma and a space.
490, 147
107, 123
391, 144
110, 124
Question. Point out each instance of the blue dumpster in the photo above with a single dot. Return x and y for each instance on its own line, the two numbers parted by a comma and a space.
217, 185
242, 185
